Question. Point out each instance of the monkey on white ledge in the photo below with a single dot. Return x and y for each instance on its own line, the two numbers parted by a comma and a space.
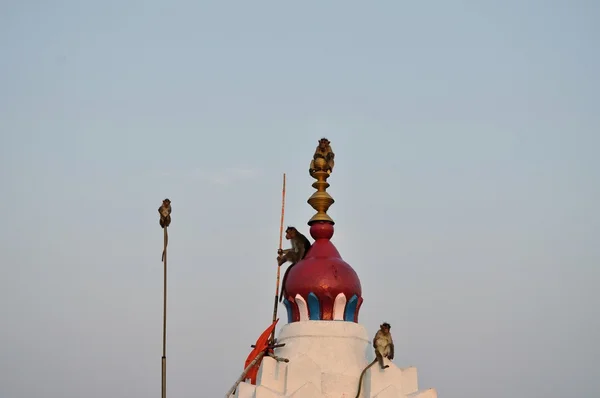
384, 348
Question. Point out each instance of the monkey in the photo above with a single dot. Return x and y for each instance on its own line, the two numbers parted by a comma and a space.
384, 347
383, 344
323, 159
165, 220
165, 213
300, 246
299, 249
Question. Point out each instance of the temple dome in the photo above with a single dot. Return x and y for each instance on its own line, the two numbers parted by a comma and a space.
322, 286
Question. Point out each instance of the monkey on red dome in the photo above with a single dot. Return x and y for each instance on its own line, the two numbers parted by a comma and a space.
300, 246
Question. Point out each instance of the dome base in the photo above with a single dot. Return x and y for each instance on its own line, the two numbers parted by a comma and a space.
335, 346
325, 361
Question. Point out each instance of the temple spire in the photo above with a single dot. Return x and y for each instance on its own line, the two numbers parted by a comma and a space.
320, 169
322, 286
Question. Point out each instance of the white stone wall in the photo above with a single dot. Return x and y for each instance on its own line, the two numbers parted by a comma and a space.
326, 360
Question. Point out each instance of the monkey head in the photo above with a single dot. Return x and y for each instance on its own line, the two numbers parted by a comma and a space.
323, 144
166, 202
385, 327
290, 233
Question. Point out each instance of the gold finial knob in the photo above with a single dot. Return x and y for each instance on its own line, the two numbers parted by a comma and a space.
320, 169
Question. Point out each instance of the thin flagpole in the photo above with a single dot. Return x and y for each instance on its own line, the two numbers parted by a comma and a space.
279, 267
165, 220
282, 215
164, 342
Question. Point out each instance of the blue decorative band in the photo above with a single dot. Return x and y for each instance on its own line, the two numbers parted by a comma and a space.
350, 309
314, 308
288, 308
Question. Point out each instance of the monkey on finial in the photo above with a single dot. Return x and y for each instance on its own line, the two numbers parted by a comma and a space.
323, 159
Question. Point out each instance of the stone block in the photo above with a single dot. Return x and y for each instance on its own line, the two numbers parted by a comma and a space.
377, 379
300, 371
409, 380
335, 385
272, 374
308, 390
430, 393
264, 392
245, 390
390, 392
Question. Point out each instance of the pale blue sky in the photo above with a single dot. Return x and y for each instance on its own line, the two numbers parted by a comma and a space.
466, 186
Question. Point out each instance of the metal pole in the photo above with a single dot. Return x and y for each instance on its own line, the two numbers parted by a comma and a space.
278, 266
164, 348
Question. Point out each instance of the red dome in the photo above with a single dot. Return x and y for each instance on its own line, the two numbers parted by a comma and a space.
320, 277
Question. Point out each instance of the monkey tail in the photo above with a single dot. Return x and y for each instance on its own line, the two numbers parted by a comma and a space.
362, 375
166, 242
285, 276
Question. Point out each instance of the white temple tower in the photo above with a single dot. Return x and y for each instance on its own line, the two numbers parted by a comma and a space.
326, 347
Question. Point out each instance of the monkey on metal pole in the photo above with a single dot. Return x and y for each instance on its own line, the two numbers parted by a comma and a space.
165, 220
279, 267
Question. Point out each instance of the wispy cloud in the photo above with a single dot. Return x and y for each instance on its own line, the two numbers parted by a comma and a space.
226, 176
